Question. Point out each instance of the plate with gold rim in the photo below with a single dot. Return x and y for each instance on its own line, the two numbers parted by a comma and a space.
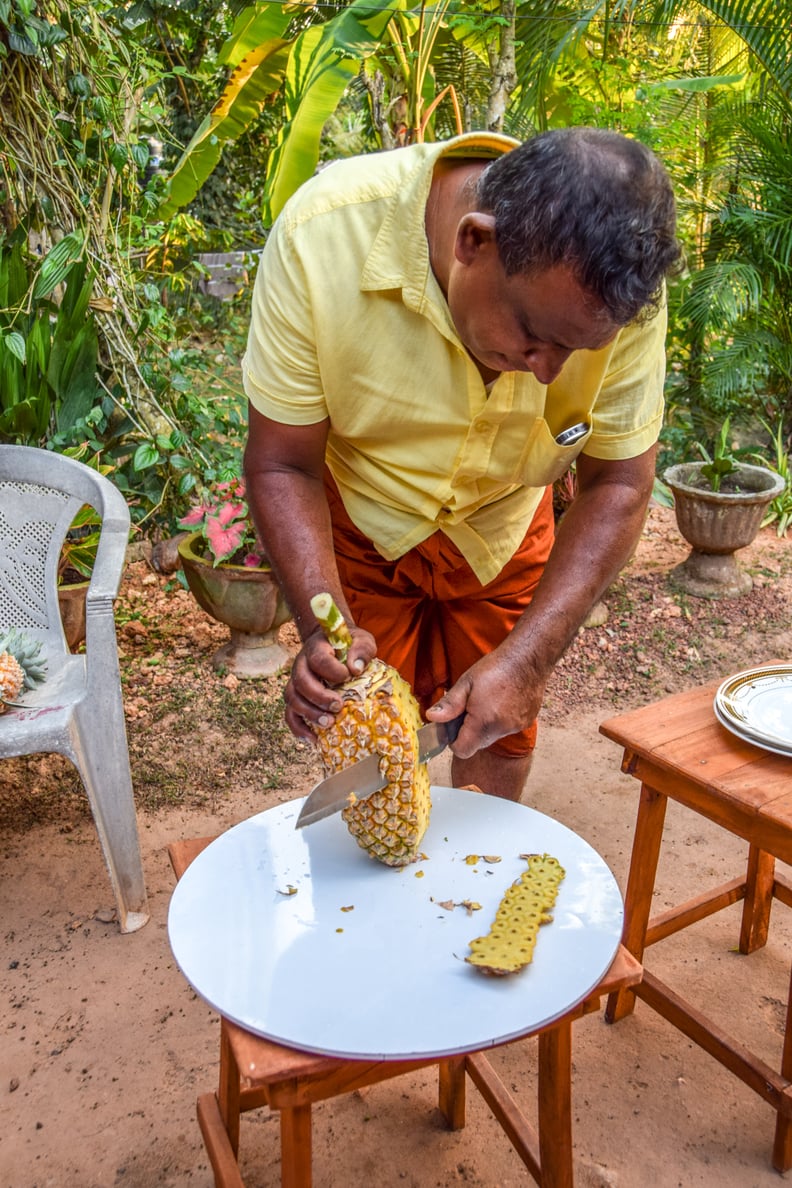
743, 736
757, 706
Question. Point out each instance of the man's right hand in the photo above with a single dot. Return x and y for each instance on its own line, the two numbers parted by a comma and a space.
311, 694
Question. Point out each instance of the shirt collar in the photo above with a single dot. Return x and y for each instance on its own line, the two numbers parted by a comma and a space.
399, 257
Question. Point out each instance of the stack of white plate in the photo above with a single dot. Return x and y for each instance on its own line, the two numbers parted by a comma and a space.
756, 706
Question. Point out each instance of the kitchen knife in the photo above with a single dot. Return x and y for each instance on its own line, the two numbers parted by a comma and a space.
364, 778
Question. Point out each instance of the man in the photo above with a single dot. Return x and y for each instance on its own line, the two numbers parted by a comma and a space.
427, 323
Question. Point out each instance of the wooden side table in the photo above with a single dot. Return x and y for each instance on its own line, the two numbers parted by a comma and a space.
678, 750
255, 1072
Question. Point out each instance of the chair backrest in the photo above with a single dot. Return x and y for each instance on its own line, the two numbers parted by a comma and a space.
40, 494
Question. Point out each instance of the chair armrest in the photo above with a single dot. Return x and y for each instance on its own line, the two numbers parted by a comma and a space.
111, 552
101, 645
105, 580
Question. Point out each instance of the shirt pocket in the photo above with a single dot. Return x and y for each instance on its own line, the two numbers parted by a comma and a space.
542, 460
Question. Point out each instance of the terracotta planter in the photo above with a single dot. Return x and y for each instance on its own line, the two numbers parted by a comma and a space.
71, 600
248, 601
718, 523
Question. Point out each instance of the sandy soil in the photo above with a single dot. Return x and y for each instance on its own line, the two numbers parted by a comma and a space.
104, 1047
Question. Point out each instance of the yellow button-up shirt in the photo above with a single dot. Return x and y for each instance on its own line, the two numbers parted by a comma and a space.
349, 323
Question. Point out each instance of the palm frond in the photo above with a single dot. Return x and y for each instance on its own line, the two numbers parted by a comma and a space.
765, 30
721, 294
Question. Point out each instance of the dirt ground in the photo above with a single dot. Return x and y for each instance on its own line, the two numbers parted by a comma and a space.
104, 1047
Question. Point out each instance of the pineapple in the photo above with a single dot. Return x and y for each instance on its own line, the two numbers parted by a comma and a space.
380, 716
509, 944
21, 665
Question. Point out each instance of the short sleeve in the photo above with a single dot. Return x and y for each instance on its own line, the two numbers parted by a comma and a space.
628, 412
280, 369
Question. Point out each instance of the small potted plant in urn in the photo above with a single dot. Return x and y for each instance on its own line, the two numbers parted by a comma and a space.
229, 576
719, 503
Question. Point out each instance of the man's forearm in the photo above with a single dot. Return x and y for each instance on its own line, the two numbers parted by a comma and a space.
594, 541
292, 517
284, 476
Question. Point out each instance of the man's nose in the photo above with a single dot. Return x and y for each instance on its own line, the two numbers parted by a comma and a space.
545, 362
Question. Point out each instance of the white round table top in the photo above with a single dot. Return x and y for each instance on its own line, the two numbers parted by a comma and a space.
300, 937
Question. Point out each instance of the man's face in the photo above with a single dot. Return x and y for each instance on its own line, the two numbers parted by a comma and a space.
525, 322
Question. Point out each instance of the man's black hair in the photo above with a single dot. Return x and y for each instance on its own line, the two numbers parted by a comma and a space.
594, 200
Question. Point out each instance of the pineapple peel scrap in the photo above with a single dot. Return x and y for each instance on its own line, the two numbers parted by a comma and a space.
509, 945
469, 905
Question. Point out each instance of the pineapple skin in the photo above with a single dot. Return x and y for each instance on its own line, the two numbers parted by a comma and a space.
12, 679
21, 665
509, 945
380, 716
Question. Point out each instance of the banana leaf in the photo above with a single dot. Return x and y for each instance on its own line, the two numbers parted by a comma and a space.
252, 29
697, 85
258, 53
323, 61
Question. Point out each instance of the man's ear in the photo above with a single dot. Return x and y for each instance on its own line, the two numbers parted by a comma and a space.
475, 232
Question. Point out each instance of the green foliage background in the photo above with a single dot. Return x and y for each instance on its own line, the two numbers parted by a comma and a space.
136, 137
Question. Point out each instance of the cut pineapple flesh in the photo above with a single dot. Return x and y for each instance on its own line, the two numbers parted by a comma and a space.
509, 944
379, 716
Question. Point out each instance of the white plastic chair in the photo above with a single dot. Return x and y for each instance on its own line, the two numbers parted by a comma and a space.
77, 711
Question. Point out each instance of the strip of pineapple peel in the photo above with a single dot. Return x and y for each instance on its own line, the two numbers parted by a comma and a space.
509, 945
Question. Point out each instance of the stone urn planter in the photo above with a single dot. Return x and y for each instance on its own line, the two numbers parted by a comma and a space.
71, 601
718, 523
248, 601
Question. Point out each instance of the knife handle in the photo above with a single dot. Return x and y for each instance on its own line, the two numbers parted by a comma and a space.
453, 727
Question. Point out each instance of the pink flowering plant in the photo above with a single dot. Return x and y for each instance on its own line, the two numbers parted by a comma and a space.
225, 525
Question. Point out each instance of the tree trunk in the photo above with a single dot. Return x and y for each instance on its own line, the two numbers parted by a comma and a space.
380, 111
503, 70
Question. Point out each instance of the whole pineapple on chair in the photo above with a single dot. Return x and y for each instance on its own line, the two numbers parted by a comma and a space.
22, 666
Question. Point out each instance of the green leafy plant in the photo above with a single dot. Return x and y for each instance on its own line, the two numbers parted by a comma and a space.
392, 49
226, 529
48, 337
78, 551
779, 512
722, 461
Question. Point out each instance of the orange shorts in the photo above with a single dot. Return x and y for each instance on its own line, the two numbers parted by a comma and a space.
431, 617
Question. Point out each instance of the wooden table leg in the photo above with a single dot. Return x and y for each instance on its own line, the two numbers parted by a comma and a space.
228, 1089
555, 1106
758, 900
295, 1124
782, 1144
640, 888
452, 1091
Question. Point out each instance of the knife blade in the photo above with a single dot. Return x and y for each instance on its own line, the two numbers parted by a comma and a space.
364, 778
